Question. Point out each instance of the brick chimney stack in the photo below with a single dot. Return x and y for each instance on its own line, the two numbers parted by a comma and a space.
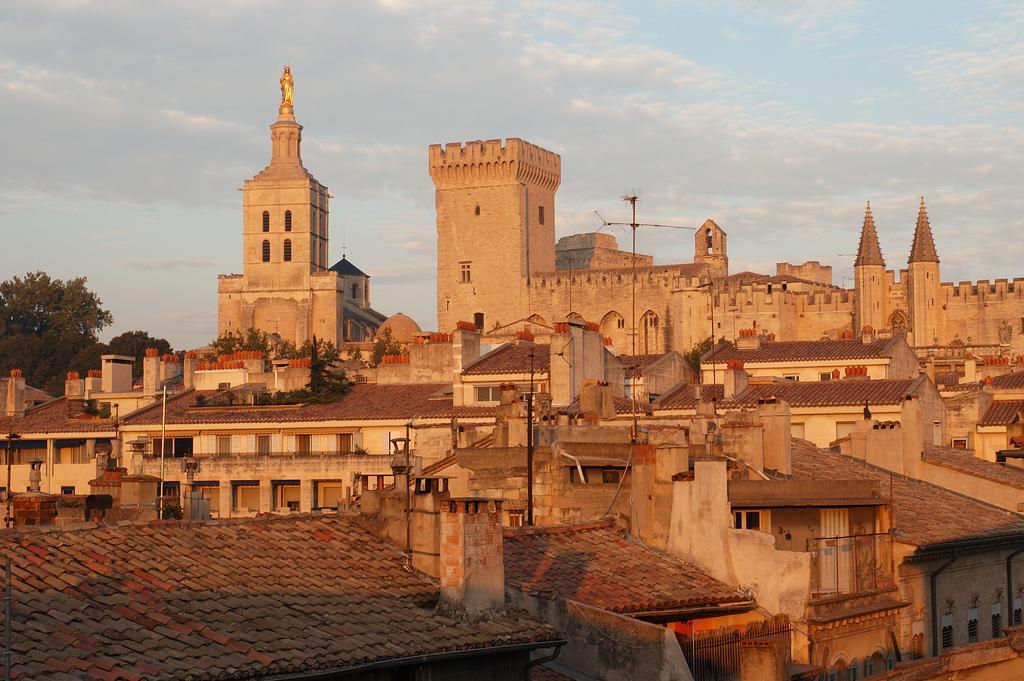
150, 372
472, 561
14, 401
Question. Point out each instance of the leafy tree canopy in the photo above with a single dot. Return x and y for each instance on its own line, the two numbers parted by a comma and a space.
252, 339
385, 345
134, 344
693, 356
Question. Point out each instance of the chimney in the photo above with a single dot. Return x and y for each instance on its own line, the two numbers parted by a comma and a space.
597, 398
970, 370
170, 367
472, 561
74, 387
777, 422
735, 378
14, 402
189, 369
33, 507
93, 382
748, 340
465, 350
929, 369
912, 425
150, 372
577, 354
116, 373
867, 335
766, 660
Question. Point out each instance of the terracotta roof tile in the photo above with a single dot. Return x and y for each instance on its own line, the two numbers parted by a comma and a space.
843, 393
365, 401
684, 396
925, 514
58, 416
598, 564
512, 358
1001, 413
1009, 381
230, 600
801, 351
965, 461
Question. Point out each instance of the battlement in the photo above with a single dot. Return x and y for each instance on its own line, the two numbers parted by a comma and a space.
460, 165
983, 289
683, 276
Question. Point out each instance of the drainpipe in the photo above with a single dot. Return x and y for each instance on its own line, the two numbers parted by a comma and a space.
1009, 585
936, 622
541, 660
567, 455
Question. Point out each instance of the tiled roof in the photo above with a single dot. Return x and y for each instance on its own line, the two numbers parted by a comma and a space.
542, 673
599, 565
684, 396
58, 416
1009, 381
365, 401
512, 358
227, 600
802, 351
925, 514
965, 461
1001, 413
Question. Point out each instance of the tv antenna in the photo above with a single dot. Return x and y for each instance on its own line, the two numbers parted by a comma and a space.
631, 197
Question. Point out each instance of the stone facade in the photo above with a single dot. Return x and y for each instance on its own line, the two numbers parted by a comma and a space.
498, 263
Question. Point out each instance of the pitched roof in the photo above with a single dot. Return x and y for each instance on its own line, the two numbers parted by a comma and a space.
57, 416
843, 393
1001, 413
226, 600
633, 364
363, 402
925, 514
923, 248
1012, 381
965, 461
598, 564
684, 396
802, 351
868, 252
345, 268
511, 358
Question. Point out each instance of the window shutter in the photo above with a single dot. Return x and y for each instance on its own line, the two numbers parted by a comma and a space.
357, 440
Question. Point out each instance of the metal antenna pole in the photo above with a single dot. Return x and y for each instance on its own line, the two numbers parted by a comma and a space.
163, 448
7, 619
529, 448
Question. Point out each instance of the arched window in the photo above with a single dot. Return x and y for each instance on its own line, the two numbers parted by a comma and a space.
266, 251
287, 250
287, 220
266, 221
355, 291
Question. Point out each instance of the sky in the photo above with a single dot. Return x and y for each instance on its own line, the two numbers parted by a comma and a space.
128, 128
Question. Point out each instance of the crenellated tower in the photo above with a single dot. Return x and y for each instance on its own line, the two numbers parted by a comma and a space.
923, 286
495, 227
869, 280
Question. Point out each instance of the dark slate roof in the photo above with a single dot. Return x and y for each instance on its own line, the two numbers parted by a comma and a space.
1001, 413
363, 402
802, 351
869, 252
925, 514
345, 268
511, 358
227, 600
923, 248
598, 564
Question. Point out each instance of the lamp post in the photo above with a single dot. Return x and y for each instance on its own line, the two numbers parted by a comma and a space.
11, 437
189, 466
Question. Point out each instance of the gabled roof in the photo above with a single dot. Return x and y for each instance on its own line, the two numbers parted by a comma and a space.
345, 268
227, 600
598, 564
57, 416
684, 396
363, 402
512, 358
923, 248
635, 364
841, 393
965, 461
1001, 413
926, 515
802, 351
869, 252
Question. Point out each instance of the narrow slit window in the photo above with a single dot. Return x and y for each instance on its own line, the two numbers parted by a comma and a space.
287, 221
266, 221
266, 251
287, 250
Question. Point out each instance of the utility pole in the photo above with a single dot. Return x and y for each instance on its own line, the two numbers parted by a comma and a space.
529, 448
11, 437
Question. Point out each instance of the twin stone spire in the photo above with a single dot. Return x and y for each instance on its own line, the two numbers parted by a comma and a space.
869, 252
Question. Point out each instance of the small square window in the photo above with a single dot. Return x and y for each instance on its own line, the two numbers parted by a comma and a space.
67, 489
611, 476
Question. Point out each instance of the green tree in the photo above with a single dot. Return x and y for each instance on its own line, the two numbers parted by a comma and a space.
693, 356
45, 323
134, 344
384, 345
252, 339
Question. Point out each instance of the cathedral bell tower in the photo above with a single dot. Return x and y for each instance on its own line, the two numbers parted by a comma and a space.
285, 287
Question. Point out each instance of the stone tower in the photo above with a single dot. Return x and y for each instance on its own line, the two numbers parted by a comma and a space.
869, 280
923, 284
710, 250
285, 287
495, 227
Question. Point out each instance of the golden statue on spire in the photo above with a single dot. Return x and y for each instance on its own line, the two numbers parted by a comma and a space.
287, 90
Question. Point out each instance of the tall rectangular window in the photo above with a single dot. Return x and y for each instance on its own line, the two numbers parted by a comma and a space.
303, 444
263, 444
540, 214
465, 275
344, 443
223, 444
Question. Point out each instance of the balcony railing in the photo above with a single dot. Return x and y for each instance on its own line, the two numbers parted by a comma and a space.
850, 565
325, 453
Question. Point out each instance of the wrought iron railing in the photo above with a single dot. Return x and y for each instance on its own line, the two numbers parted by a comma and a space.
715, 655
850, 565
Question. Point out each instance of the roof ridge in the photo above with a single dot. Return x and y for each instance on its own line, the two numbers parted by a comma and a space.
923, 248
869, 252
566, 528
